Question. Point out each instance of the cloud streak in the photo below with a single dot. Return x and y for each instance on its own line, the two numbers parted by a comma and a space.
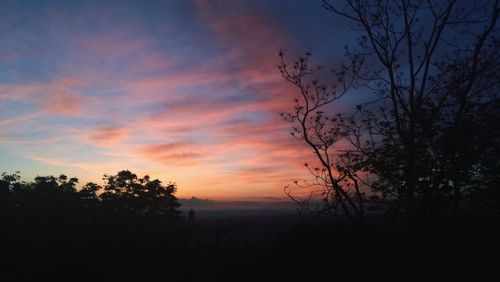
189, 93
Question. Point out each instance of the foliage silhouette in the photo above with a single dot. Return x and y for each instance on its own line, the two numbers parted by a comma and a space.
427, 135
129, 225
140, 196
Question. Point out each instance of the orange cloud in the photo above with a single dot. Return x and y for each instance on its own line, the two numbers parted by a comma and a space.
147, 102
108, 135
172, 153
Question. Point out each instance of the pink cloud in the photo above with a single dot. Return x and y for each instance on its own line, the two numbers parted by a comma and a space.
155, 61
233, 118
60, 97
106, 136
172, 153
66, 104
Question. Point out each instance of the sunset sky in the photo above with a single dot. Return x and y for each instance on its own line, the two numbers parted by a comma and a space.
185, 91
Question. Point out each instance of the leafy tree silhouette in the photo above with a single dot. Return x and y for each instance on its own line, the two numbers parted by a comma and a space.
130, 223
139, 196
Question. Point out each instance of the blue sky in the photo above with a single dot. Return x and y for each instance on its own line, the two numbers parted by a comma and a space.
187, 91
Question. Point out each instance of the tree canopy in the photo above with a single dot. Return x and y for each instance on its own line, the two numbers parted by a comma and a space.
425, 137
129, 221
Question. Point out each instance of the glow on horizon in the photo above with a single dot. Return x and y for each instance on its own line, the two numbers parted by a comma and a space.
185, 91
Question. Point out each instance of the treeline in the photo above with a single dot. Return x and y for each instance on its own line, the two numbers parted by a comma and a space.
130, 228
123, 229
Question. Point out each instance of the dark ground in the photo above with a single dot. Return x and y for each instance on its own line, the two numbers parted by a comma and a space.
251, 247
276, 247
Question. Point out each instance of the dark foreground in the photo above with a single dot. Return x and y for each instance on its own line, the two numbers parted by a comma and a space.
246, 248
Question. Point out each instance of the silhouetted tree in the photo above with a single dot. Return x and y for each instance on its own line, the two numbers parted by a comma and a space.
130, 223
7, 184
433, 66
433, 71
89, 192
140, 196
312, 124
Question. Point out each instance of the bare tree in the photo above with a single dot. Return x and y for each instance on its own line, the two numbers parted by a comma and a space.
431, 64
312, 124
432, 67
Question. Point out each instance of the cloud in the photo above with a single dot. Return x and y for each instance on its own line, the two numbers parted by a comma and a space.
107, 135
52, 161
60, 97
196, 102
167, 147
155, 61
65, 104
69, 163
176, 153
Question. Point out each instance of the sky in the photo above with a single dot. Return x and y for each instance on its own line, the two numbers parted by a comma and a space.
185, 91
